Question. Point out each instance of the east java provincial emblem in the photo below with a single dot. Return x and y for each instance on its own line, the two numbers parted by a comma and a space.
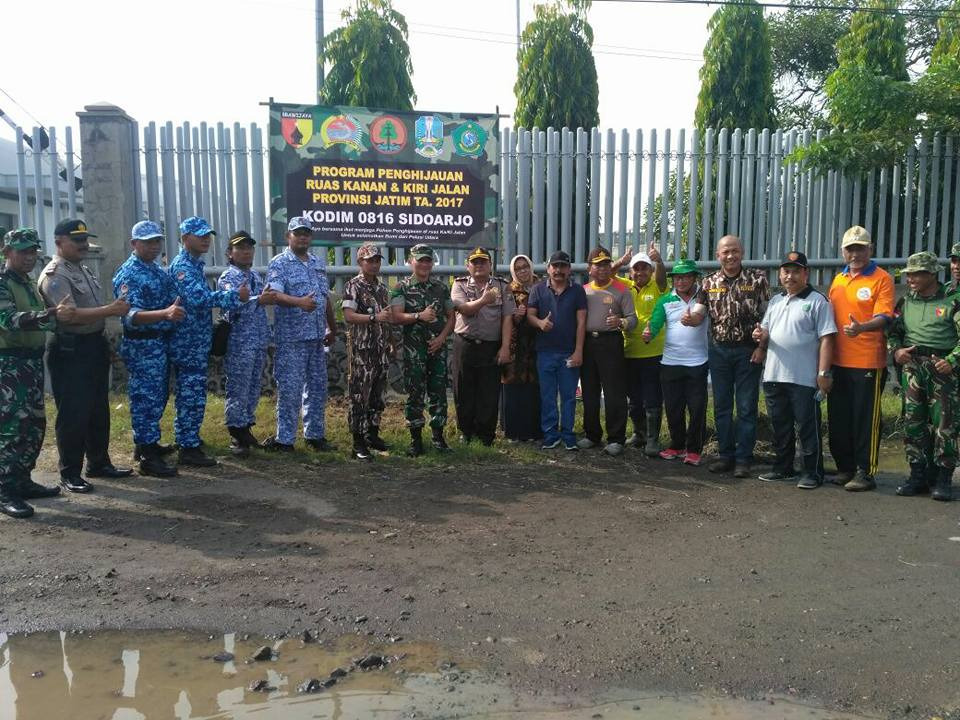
428, 134
469, 139
388, 135
342, 130
296, 127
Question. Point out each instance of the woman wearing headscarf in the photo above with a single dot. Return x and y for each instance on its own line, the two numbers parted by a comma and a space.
520, 412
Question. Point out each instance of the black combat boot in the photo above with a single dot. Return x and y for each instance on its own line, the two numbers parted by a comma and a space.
943, 490
360, 450
159, 448
238, 443
195, 457
438, 440
916, 483
374, 441
27, 489
416, 442
249, 437
152, 462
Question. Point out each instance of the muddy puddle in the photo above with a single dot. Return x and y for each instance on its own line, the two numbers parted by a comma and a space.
148, 675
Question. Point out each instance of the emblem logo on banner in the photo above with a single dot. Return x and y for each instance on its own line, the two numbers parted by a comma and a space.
342, 130
388, 135
469, 139
296, 128
428, 134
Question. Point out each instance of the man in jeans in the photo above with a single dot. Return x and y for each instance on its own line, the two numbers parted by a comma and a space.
736, 299
557, 307
798, 330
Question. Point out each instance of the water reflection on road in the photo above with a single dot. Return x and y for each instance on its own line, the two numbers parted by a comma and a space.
148, 675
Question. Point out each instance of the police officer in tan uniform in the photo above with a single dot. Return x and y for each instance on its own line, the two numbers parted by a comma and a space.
78, 358
481, 344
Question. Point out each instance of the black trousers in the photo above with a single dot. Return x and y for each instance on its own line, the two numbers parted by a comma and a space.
79, 375
604, 368
476, 386
853, 418
685, 390
793, 411
643, 386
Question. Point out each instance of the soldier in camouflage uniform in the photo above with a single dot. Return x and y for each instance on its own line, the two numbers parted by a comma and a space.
954, 283
366, 310
422, 305
925, 342
24, 320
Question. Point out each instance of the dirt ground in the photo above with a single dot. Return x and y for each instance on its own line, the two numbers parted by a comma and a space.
573, 572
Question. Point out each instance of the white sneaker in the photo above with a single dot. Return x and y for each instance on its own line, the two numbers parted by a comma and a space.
585, 443
613, 449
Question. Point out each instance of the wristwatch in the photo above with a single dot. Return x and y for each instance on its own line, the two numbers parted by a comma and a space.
825, 374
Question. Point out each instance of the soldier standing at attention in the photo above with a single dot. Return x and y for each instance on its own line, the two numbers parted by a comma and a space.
303, 323
925, 341
23, 323
247, 342
862, 299
190, 341
366, 310
154, 310
610, 311
79, 360
481, 344
422, 305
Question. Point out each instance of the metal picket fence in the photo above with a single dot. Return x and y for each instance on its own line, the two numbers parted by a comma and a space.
572, 189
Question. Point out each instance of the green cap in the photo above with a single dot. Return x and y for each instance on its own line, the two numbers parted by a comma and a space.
684, 267
22, 238
421, 251
955, 250
922, 262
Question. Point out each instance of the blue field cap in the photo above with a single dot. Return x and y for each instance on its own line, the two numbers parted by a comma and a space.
194, 225
146, 230
299, 222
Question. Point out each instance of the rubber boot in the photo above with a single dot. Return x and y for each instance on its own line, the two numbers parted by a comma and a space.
916, 483
360, 450
416, 442
439, 442
374, 441
943, 490
652, 448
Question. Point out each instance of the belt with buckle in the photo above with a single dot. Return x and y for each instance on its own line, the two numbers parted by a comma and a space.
603, 333
475, 341
926, 351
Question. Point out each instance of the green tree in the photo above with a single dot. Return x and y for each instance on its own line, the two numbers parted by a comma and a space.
948, 35
370, 59
557, 77
736, 81
803, 44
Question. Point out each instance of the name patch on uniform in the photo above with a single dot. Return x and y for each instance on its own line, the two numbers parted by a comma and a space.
863, 293
717, 290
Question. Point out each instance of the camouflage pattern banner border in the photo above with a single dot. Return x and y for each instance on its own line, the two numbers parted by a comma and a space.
396, 178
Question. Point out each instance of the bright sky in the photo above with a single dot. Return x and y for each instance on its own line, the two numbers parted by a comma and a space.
215, 60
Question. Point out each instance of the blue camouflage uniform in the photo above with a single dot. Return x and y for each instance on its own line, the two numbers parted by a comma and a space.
144, 349
299, 361
246, 348
190, 340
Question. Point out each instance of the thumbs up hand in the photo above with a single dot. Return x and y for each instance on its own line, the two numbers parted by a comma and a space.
243, 292
904, 355
647, 335
546, 325
854, 328
65, 311
176, 313
760, 335
653, 253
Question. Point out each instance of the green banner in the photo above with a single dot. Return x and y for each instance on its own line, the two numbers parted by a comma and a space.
390, 177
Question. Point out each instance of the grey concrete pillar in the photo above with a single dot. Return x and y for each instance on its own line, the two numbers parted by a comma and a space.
108, 146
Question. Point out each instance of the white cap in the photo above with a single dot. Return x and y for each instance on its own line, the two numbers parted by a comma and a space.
641, 257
